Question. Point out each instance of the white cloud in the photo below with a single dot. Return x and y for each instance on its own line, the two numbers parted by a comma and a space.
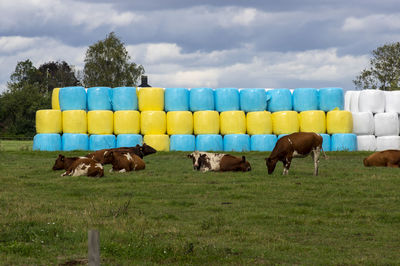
376, 22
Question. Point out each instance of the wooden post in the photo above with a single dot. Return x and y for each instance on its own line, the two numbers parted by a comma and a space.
94, 248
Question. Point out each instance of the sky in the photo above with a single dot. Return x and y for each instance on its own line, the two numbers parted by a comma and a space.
209, 43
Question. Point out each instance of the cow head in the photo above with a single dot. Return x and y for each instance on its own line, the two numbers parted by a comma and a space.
245, 165
271, 163
108, 157
366, 163
146, 149
195, 157
59, 163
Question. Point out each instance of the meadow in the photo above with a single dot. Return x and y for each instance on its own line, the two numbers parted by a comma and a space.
170, 214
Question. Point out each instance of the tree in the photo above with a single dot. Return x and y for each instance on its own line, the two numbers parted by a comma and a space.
57, 75
384, 70
107, 64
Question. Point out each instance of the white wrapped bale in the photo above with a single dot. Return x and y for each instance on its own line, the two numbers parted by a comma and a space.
366, 143
371, 101
388, 143
392, 99
355, 95
386, 124
363, 123
347, 100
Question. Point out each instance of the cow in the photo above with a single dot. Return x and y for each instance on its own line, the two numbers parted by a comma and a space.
206, 161
299, 144
387, 158
124, 161
62, 162
78, 166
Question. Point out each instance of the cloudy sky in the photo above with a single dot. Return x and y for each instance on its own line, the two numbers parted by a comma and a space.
209, 43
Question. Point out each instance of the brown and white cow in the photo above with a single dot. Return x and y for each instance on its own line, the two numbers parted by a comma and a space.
206, 161
387, 158
298, 144
78, 166
124, 161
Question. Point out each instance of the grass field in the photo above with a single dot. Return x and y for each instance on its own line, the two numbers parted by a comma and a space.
169, 214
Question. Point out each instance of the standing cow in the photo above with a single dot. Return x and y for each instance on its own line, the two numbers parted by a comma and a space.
387, 158
206, 161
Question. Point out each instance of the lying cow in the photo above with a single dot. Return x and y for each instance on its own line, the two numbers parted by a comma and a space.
124, 161
298, 144
78, 166
206, 161
388, 158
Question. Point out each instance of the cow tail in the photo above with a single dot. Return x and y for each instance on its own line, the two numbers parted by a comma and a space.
325, 157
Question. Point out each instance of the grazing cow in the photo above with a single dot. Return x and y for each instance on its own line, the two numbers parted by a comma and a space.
388, 158
298, 144
206, 161
78, 166
124, 161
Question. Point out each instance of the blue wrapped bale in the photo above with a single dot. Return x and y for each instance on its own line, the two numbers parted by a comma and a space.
182, 142
201, 99
99, 142
176, 99
227, 99
331, 98
124, 98
47, 142
344, 142
209, 142
237, 142
279, 100
305, 99
72, 98
326, 142
99, 98
252, 100
129, 140
263, 142
75, 142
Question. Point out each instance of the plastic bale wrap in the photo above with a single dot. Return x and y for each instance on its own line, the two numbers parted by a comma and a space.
285, 122
75, 142
265, 142
182, 142
259, 123
209, 142
74, 122
355, 95
312, 121
126, 122
233, 122
388, 143
371, 101
326, 142
129, 140
386, 124
124, 98
151, 99
280, 100
347, 100
331, 98
201, 99
48, 121
366, 143
72, 98
99, 98
153, 122
344, 142
253, 99
305, 99
339, 122
47, 142
392, 101
237, 142
99, 142
227, 99
176, 99
158, 142
100, 122
363, 123
55, 102
179, 123
206, 122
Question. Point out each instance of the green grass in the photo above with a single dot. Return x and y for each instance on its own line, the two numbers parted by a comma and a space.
170, 214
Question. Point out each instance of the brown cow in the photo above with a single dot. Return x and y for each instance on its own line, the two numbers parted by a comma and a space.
62, 162
78, 166
298, 144
206, 161
124, 161
387, 158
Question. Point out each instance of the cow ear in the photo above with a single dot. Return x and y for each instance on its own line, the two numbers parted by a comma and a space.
243, 158
190, 156
137, 145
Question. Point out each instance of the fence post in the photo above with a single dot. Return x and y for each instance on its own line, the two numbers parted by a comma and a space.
94, 248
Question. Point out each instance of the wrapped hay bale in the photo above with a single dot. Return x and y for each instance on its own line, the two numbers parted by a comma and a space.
392, 101
279, 100
236, 142
99, 98
48, 121
347, 100
355, 95
47, 142
232, 122
201, 99
100, 122
326, 142
363, 123
209, 142
129, 140
371, 101
99, 142
227, 99
388, 143
153, 123
265, 142
55, 102
366, 143
159, 142
151, 99
126, 122
339, 122
386, 124
176, 99
74, 122
305, 99
75, 142
182, 142
330, 99
253, 99
179, 122
72, 98
259, 123
285, 122
206, 122
124, 98
312, 121
344, 142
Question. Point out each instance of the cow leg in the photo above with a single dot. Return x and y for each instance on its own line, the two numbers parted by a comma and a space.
286, 165
315, 155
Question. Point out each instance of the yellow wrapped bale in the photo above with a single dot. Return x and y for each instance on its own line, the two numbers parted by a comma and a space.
312, 121
55, 102
285, 122
151, 99
74, 121
100, 122
48, 121
126, 122
206, 122
179, 123
158, 142
339, 122
259, 123
153, 122
232, 122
